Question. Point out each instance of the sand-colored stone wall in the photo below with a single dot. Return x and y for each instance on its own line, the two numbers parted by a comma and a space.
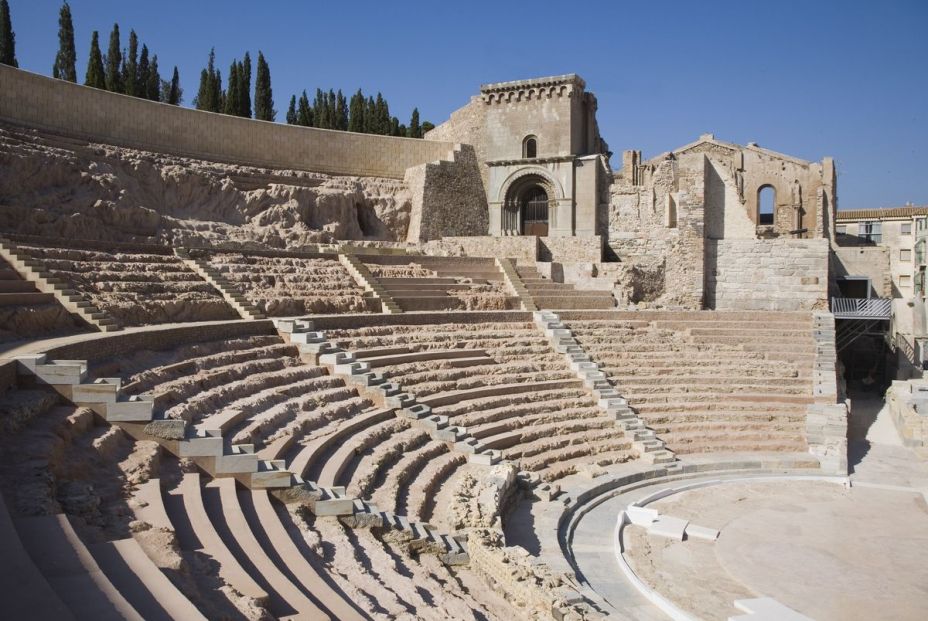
769, 274
56, 105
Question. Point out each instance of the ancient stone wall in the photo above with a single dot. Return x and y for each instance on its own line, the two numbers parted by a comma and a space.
770, 274
467, 125
37, 101
447, 198
521, 247
571, 249
657, 223
726, 216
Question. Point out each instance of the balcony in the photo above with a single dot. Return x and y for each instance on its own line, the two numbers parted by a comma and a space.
874, 309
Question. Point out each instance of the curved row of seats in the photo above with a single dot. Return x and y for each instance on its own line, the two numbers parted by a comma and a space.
135, 288
285, 286
710, 381
501, 382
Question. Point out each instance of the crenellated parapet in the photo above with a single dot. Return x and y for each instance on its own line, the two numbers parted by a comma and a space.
569, 85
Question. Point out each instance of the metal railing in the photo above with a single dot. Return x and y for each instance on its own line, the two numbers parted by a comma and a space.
862, 308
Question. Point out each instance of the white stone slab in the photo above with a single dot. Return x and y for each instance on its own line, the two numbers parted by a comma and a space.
701, 532
668, 526
641, 516
766, 609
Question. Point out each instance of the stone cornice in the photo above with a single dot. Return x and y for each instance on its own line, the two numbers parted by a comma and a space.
532, 160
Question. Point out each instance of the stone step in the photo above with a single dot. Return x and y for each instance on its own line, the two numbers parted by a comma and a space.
25, 299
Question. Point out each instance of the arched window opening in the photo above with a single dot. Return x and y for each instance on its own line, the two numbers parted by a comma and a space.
766, 201
530, 147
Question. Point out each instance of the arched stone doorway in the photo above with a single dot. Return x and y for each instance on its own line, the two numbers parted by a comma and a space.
534, 208
529, 207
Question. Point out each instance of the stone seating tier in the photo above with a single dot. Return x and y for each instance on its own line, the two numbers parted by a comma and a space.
553, 295
25, 312
286, 286
502, 382
711, 382
133, 288
427, 283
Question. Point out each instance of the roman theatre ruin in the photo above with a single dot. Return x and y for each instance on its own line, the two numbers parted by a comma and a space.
258, 371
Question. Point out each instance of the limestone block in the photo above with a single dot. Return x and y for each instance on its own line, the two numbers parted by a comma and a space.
641, 516
766, 609
667, 526
701, 532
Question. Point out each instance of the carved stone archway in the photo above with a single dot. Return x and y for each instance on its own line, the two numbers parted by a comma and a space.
527, 186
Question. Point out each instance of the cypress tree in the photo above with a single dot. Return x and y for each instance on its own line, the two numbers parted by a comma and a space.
395, 126
209, 95
264, 98
217, 95
321, 110
233, 103
356, 113
245, 83
331, 110
7, 38
174, 91
415, 130
143, 73
341, 111
370, 116
96, 77
130, 75
153, 87
305, 112
382, 112
65, 67
215, 84
201, 101
291, 111
113, 62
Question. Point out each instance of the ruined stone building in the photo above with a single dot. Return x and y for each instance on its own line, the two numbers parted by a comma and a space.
689, 227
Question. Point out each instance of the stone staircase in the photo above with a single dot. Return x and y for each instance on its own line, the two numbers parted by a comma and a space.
134, 415
511, 274
33, 271
236, 300
548, 294
650, 448
368, 282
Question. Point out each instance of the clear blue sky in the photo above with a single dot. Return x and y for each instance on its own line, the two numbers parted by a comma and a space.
842, 78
